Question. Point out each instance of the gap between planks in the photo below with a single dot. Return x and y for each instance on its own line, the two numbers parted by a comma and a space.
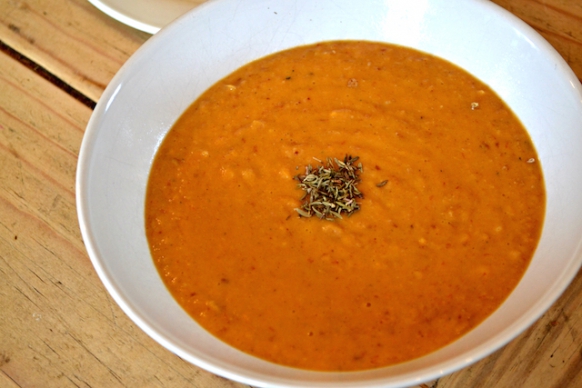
44, 73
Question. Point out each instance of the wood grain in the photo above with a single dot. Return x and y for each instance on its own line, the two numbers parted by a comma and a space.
59, 327
70, 38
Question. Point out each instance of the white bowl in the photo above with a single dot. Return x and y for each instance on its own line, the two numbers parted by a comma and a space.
176, 65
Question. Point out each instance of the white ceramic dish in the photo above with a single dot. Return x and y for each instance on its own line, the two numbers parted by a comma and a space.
155, 86
145, 15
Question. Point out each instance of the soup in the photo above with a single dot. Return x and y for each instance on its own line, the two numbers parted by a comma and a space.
451, 210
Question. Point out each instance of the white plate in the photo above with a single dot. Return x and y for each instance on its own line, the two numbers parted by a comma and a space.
145, 15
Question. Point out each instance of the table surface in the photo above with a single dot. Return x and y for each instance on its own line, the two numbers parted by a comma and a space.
58, 325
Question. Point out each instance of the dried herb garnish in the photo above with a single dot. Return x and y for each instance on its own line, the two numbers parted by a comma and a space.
330, 191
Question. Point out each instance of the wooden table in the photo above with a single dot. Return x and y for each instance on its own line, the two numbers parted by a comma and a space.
58, 325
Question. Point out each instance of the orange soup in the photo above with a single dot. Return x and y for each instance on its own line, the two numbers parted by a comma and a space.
452, 207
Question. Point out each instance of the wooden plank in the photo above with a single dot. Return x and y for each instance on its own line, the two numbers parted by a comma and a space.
5, 381
59, 326
71, 39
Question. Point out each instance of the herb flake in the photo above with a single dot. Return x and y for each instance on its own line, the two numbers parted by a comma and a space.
330, 190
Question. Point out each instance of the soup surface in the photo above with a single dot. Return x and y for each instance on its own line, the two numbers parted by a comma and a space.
452, 208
